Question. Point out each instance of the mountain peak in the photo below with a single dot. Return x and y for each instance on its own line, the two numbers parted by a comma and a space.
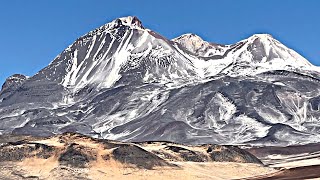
131, 21
263, 48
120, 81
188, 36
262, 36
195, 44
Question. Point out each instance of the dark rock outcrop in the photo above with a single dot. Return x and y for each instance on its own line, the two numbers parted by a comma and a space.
134, 155
231, 154
76, 156
78, 151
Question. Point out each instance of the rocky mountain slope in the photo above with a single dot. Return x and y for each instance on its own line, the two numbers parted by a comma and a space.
125, 82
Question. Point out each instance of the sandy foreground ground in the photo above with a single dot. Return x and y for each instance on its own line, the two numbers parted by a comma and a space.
73, 156
49, 169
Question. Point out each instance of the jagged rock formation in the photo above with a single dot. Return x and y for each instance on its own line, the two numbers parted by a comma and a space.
125, 82
11, 84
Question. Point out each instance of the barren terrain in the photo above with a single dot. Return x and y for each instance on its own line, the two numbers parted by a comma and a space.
73, 156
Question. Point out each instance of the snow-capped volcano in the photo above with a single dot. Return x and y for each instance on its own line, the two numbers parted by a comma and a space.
124, 81
260, 53
118, 51
263, 48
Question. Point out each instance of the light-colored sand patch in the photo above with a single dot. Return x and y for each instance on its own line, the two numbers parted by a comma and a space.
187, 171
38, 167
101, 169
51, 142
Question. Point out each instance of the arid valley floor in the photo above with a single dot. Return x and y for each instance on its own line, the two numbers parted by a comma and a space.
73, 156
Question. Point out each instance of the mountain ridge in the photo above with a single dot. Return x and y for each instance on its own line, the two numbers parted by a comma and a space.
124, 82
134, 23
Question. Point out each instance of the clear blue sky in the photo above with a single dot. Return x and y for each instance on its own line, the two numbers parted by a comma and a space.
33, 32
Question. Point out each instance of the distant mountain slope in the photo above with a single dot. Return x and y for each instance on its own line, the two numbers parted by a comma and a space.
125, 82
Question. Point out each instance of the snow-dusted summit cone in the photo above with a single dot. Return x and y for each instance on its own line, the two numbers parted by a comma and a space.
125, 82
122, 50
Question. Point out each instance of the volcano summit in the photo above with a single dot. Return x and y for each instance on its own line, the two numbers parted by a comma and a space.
124, 82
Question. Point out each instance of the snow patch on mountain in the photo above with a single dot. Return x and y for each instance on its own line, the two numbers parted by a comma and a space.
123, 81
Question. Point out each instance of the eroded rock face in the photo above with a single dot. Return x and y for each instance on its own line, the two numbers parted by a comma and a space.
77, 156
13, 81
11, 84
19, 150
